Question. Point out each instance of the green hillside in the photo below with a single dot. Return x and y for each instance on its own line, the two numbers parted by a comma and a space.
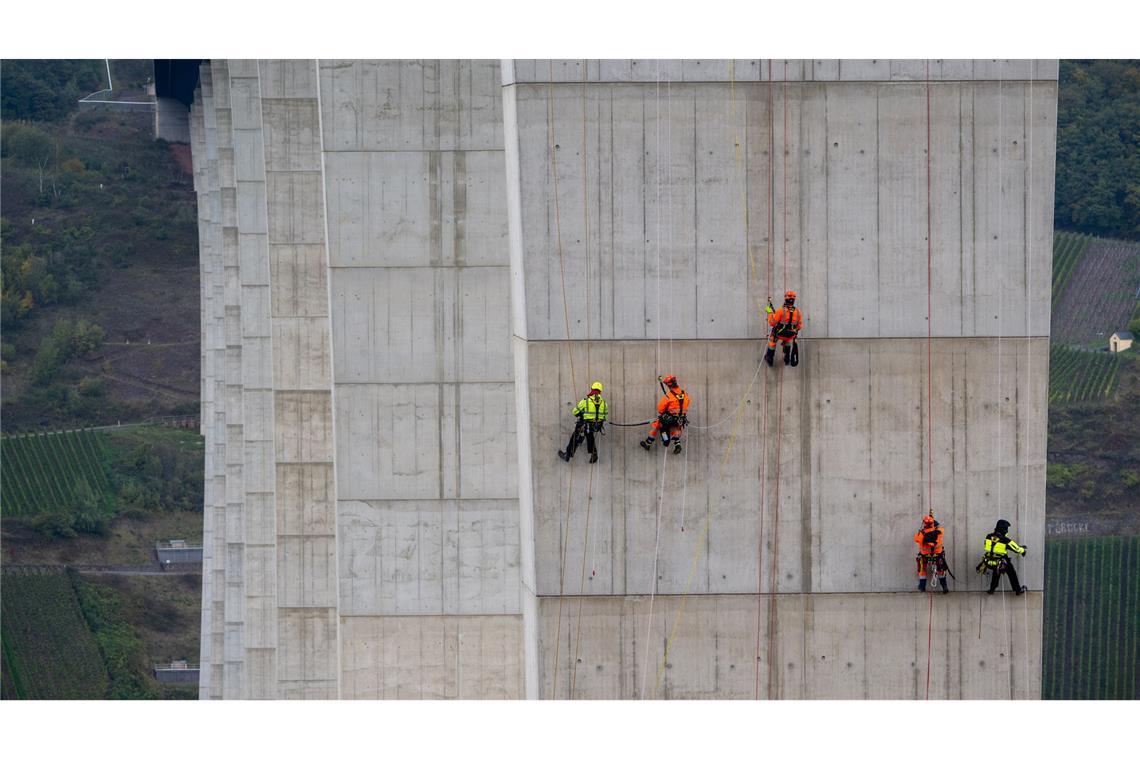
48, 650
1092, 605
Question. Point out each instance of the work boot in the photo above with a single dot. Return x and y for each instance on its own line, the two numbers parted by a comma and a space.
787, 355
769, 356
922, 584
677, 447
945, 588
1021, 591
593, 457
563, 456
647, 444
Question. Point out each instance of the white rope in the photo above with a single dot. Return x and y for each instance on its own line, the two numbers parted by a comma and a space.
1028, 368
653, 586
1000, 390
684, 488
669, 179
657, 206
734, 412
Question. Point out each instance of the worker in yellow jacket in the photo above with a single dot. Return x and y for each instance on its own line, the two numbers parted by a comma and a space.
996, 559
591, 413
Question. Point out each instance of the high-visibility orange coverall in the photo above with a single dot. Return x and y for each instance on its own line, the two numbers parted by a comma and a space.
929, 542
676, 403
786, 322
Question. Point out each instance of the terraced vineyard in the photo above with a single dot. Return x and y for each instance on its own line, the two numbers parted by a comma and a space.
1096, 283
48, 650
1077, 375
1067, 249
1092, 605
44, 473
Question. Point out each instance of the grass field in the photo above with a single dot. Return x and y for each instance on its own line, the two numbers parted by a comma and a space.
48, 650
43, 473
1077, 375
1092, 605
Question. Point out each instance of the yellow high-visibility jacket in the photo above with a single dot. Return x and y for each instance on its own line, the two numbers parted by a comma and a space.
997, 548
592, 409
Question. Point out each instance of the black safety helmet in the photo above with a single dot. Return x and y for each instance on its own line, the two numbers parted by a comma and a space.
1001, 527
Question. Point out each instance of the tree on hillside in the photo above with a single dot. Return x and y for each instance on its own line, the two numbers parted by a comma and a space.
31, 146
39, 90
1098, 148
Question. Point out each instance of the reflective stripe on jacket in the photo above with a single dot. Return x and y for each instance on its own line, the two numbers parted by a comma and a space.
786, 320
934, 546
996, 547
675, 403
591, 410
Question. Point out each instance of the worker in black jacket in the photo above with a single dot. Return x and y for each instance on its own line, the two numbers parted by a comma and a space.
996, 559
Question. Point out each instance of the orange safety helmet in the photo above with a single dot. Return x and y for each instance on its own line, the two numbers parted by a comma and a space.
670, 380
790, 295
928, 520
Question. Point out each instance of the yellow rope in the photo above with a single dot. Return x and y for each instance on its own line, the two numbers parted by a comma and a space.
740, 404
570, 354
590, 489
581, 588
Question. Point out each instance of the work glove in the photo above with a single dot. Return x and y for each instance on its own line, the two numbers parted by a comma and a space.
769, 310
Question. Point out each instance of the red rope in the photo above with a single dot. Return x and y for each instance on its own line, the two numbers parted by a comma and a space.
760, 544
764, 434
784, 197
929, 373
771, 177
929, 634
929, 312
773, 573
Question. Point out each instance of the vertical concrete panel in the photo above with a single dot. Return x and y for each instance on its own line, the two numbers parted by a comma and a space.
425, 409
307, 620
853, 226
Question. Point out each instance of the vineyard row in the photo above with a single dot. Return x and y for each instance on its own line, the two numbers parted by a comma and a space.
1092, 603
42, 472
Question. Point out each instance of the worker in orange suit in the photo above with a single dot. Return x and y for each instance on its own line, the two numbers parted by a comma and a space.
671, 416
785, 324
929, 540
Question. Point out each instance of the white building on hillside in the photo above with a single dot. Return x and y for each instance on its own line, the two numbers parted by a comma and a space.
1120, 341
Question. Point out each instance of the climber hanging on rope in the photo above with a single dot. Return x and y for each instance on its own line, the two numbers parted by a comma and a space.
931, 553
785, 323
591, 413
996, 559
671, 415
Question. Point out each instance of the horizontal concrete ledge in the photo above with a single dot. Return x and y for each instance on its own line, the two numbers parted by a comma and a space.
413, 150
775, 71
429, 615
789, 81
778, 595
762, 338
419, 267
428, 383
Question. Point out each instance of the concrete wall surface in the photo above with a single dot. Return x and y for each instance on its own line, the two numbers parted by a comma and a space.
413, 269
